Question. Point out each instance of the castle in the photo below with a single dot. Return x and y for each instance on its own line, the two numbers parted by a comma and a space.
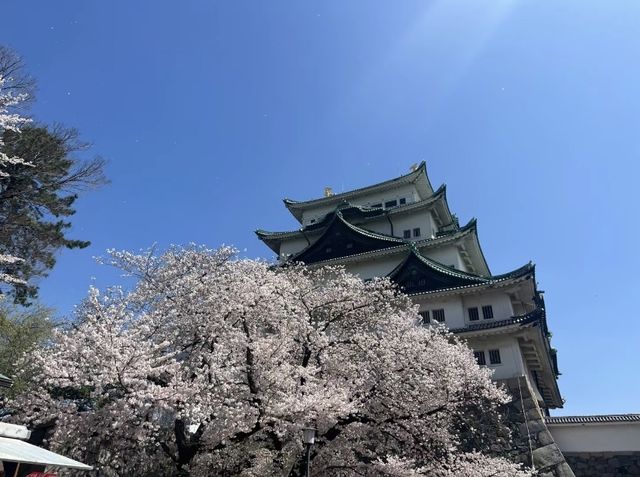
403, 229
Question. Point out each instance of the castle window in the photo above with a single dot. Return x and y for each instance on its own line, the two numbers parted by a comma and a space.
480, 358
406, 234
391, 203
403, 201
424, 315
416, 232
473, 314
494, 356
487, 312
438, 315
350, 245
327, 250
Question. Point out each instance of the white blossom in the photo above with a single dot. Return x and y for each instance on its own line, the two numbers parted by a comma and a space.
10, 121
212, 365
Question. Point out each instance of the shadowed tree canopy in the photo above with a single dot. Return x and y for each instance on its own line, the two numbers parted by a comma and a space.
36, 201
21, 330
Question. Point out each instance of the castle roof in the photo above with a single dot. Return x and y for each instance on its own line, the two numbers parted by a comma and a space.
598, 419
452, 236
515, 321
341, 238
418, 275
418, 177
358, 214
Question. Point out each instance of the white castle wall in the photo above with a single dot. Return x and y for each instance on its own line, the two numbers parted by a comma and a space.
379, 267
452, 306
596, 437
500, 303
512, 363
449, 256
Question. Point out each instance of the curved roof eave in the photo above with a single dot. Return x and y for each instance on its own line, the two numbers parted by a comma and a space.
472, 226
505, 279
445, 207
435, 265
426, 243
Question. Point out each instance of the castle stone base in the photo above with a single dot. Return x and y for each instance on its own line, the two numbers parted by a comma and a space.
604, 464
533, 444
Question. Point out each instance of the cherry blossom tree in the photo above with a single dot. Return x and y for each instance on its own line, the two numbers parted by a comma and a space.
212, 365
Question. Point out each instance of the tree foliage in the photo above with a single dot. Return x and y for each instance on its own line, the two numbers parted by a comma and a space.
212, 365
35, 201
40, 179
21, 331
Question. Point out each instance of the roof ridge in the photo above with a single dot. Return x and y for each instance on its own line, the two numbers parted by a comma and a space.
595, 418
445, 268
337, 216
370, 233
422, 167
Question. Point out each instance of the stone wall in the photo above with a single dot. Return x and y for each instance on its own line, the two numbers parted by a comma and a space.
604, 465
533, 444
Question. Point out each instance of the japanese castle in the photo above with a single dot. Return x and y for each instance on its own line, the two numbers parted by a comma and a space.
403, 229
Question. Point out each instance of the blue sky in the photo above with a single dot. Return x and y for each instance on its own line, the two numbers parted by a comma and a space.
211, 112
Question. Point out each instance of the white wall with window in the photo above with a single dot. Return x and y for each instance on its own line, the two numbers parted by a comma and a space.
397, 225
499, 303
405, 225
500, 354
451, 309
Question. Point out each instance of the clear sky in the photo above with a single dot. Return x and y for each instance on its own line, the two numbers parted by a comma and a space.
211, 112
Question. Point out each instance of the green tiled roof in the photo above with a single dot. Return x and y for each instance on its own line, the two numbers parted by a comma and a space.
534, 317
432, 276
443, 239
341, 238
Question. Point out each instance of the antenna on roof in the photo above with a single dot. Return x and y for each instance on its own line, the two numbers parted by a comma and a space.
328, 191
414, 167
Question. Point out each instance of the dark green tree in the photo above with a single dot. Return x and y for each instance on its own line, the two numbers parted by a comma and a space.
21, 330
36, 197
36, 202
